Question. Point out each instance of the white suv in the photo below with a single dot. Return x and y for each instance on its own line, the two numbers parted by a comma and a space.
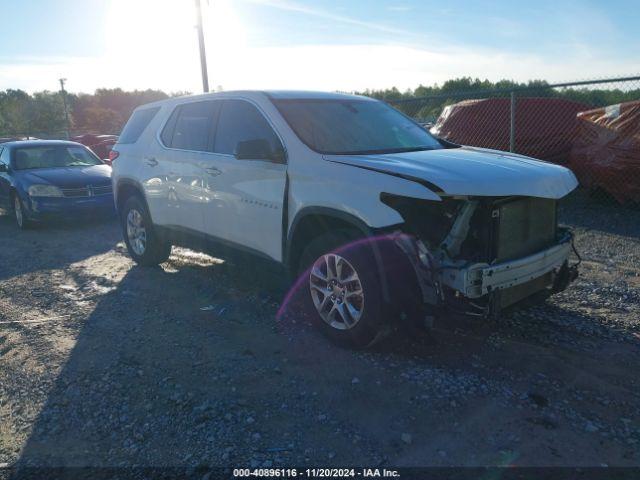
375, 217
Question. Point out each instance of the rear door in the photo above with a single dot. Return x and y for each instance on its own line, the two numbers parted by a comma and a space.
140, 160
188, 136
244, 198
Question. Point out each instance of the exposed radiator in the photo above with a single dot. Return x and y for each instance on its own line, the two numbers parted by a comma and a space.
523, 226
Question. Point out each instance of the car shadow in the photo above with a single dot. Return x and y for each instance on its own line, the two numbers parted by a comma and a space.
137, 368
156, 361
173, 366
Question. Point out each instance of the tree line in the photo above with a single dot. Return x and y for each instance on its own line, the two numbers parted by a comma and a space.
430, 100
106, 110
42, 113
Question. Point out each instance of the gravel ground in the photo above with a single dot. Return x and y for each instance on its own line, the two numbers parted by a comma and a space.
107, 364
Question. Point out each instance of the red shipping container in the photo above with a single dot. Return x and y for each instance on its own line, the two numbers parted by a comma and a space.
606, 151
544, 127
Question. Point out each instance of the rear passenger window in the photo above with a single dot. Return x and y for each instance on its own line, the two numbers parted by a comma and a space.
190, 126
136, 125
241, 121
167, 132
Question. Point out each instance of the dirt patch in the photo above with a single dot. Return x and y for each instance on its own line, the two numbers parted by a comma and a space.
106, 363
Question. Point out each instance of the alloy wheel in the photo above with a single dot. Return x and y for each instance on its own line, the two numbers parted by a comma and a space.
336, 291
136, 232
17, 208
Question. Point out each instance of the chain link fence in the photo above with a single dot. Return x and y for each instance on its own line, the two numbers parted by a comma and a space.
592, 127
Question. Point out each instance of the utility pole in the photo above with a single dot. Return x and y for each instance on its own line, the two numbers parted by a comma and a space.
64, 101
203, 55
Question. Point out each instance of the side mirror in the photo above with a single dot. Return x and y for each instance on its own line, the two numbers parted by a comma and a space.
278, 156
3, 168
258, 149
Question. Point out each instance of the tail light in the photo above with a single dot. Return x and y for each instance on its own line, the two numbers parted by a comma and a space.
113, 154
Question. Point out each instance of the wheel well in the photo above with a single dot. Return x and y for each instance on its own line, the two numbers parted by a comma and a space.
312, 226
13, 193
125, 191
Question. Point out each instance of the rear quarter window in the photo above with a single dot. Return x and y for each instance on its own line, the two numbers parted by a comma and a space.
136, 125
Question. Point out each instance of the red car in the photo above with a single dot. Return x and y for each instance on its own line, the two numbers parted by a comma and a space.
100, 144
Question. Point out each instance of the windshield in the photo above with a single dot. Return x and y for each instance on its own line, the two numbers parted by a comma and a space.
54, 156
348, 127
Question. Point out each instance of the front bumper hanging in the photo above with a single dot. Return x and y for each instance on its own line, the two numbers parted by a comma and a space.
473, 281
481, 279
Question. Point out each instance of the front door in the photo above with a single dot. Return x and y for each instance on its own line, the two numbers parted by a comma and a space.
244, 198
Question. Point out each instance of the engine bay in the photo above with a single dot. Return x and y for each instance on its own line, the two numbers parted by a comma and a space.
478, 255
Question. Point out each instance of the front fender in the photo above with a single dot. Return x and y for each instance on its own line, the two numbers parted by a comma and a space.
21, 188
349, 194
354, 191
347, 218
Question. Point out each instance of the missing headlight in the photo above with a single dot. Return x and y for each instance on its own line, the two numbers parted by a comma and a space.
428, 220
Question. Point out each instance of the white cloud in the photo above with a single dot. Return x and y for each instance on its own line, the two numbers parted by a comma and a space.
160, 51
319, 67
290, 6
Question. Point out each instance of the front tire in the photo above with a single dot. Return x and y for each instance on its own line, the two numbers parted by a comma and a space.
20, 215
344, 291
145, 246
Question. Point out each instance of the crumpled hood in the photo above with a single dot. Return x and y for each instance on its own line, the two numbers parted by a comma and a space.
69, 177
472, 171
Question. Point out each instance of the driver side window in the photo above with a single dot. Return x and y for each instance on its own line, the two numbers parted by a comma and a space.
240, 121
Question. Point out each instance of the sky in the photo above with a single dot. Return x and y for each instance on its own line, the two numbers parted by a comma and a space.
348, 45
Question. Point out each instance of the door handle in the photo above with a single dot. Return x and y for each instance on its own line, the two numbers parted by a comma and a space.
213, 171
151, 161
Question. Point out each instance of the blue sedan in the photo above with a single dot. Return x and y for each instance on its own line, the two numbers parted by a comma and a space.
42, 179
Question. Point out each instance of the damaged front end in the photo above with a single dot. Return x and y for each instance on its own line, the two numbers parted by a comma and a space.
479, 255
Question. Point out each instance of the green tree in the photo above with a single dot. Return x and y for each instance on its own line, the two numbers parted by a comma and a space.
15, 110
47, 113
103, 120
108, 109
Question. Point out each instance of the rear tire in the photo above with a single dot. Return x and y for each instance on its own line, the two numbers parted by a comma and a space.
145, 245
343, 289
